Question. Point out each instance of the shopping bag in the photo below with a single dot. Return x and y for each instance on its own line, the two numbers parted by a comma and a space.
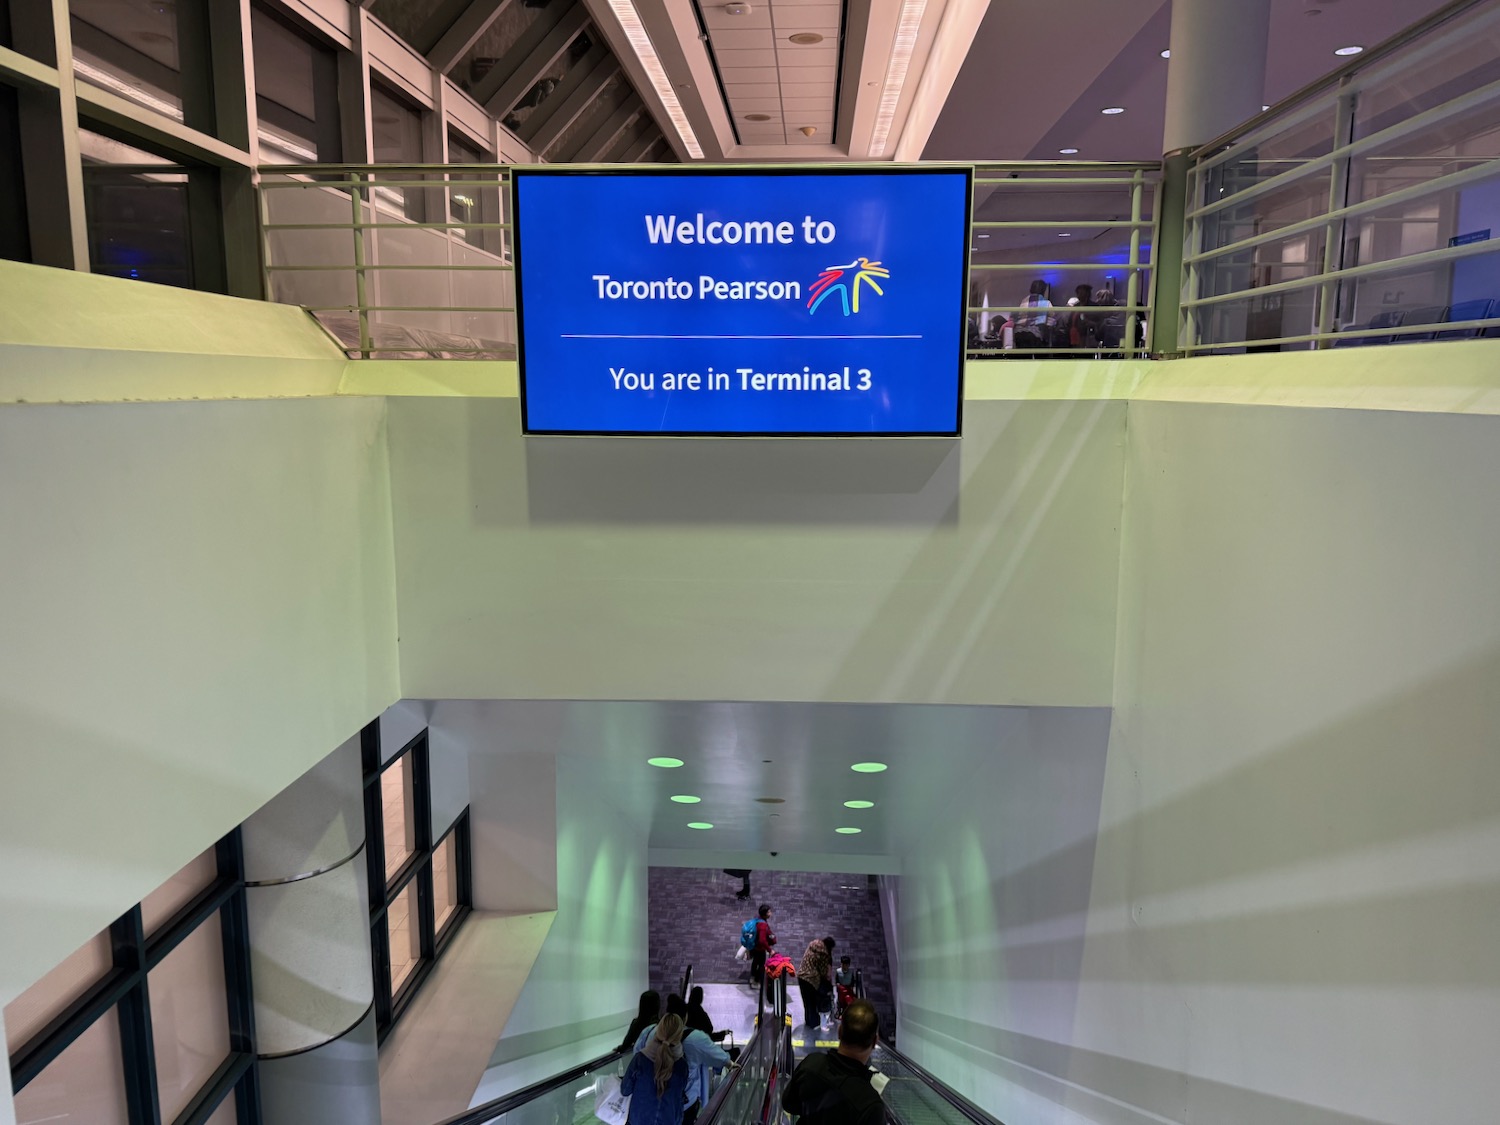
741, 953
611, 1106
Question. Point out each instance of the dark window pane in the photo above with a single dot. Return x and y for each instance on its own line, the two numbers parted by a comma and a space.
154, 54
142, 211
296, 94
15, 238
397, 136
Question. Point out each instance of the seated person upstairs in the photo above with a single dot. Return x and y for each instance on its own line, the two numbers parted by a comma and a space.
1034, 329
1105, 325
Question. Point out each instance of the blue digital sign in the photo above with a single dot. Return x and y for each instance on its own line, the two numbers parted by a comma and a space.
735, 302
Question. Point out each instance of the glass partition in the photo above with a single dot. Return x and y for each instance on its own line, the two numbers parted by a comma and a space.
1367, 212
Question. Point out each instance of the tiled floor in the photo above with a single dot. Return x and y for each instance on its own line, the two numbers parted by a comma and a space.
695, 918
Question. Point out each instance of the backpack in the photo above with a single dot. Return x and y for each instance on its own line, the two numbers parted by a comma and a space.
747, 934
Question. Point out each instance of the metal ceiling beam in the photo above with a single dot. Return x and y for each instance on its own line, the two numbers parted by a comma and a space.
637, 152
540, 45
641, 128
602, 139
454, 42
581, 85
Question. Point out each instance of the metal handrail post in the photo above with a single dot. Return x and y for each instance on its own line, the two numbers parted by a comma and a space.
361, 300
1171, 212
1133, 284
1338, 196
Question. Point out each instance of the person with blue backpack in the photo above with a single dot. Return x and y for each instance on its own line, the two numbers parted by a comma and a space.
757, 939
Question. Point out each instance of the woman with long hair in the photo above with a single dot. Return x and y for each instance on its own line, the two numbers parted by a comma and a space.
657, 1076
650, 1011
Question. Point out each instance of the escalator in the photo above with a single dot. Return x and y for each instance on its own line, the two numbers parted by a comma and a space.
740, 1096
747, 1095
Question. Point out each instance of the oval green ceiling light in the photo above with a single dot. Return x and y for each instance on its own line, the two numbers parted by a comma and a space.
701, 825
859, 804
868, 767
849, 831
664, 763
686, 799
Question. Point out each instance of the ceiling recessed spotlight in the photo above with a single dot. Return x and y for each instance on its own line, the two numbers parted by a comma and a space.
1353, 50
770, 800
757, 117
805, 38
868, 767
1064, 234
736, 9
848, 831
1264, 108
1067, 151
700, 825
664, 763
1167, 54
982, 236
686, 799
859, 804
1112, 110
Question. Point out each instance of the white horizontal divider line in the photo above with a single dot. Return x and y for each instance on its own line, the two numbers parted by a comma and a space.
735, 336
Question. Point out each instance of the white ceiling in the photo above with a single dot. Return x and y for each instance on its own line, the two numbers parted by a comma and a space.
990, 80
1030, 87
766, 75
797, 754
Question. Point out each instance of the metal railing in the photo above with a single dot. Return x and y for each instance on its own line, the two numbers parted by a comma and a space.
1062, 227
414, 261
1359, 210
396, 261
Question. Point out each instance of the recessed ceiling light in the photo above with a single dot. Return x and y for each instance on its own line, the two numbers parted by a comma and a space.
1111, 110
664, 763
736, 9
1353, 50
868, 767
848, 831
1264, 108
1067, 151
983, 236
805, 38
757, 117
700, 825
859, 804
1167, 54
686, 799
1064, 234
770, 800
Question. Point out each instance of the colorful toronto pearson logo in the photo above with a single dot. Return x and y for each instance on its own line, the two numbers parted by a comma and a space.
846, 280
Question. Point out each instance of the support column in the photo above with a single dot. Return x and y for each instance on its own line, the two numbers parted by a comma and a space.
1216, 79
307, 897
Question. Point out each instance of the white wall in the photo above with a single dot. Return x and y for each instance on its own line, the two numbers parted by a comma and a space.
586, 983
197, 606
1284, 909
911, 571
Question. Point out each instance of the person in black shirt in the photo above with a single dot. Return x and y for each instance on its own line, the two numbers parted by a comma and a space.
833, 1087
650, 1012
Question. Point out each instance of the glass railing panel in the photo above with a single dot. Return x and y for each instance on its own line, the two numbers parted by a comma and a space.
1460, 56
570, 1102
1386, 231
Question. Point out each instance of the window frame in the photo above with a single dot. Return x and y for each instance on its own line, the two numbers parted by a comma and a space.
416, 871
125, 992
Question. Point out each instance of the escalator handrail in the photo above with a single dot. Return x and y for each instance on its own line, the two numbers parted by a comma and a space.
479, 1115
718, 1097
960, 1103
